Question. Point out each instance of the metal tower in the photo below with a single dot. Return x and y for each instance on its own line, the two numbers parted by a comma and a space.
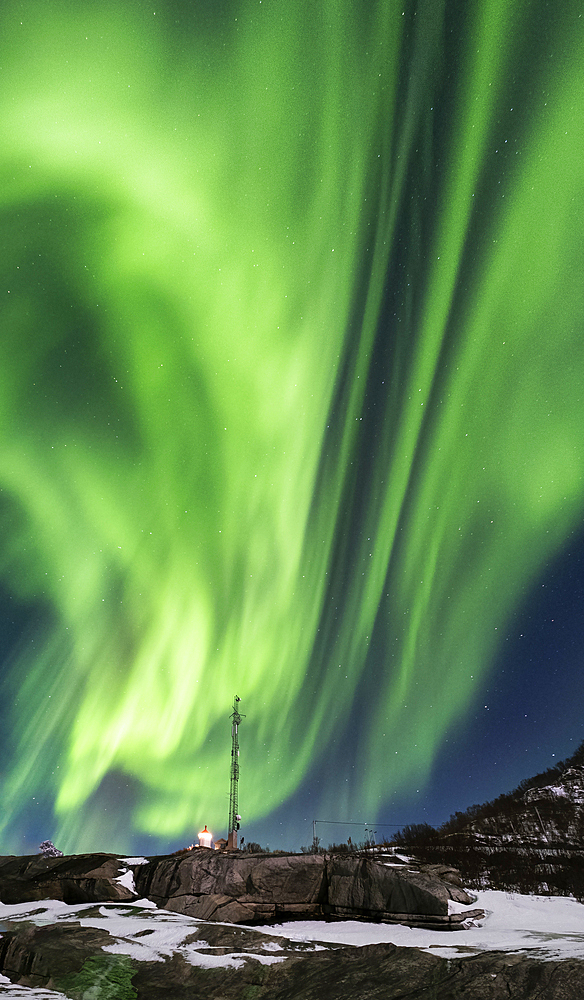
234, 816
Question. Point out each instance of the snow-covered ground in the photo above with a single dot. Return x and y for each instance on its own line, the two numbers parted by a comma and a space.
137, 929
10, 992
548, 927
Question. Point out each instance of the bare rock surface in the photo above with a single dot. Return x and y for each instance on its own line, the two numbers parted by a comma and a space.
252, 889
236, 887
362, 885
77, 878
243, 888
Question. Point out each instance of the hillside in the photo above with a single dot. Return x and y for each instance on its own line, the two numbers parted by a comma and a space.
527, 840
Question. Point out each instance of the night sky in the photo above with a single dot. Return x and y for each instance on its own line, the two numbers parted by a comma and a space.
292, 407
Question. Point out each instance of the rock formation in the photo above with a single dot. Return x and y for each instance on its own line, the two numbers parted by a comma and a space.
254, 966
221, 960
77, 878
243, 888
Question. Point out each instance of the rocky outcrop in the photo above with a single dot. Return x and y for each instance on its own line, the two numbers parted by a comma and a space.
569, 786
253, 889
46, 956
78, 878
246, 889
237, 888
243, 963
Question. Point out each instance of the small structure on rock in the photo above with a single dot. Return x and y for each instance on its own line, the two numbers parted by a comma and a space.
205, 838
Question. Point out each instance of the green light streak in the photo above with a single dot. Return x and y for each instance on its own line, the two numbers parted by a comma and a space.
198, 238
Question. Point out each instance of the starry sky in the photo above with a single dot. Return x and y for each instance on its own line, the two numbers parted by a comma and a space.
291, 408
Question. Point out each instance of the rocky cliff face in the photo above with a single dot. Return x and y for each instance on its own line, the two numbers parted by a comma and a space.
531, 842
552, 814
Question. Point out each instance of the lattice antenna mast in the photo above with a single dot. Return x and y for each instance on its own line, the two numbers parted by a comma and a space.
234, 817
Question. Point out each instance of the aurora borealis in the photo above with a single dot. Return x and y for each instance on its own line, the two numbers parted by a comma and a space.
292, 407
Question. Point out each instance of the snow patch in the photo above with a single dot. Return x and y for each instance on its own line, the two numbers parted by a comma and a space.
9, 990
454, 907
127, 880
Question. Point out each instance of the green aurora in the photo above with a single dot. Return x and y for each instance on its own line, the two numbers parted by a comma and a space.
291, 390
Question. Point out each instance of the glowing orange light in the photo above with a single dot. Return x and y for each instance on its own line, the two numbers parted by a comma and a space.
205, 838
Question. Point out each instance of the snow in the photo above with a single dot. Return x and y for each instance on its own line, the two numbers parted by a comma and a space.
127, 880
145, 937
549, 927
127, 876
454, 907
10, 992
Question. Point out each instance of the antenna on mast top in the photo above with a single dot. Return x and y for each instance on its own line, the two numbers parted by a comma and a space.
234, 816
